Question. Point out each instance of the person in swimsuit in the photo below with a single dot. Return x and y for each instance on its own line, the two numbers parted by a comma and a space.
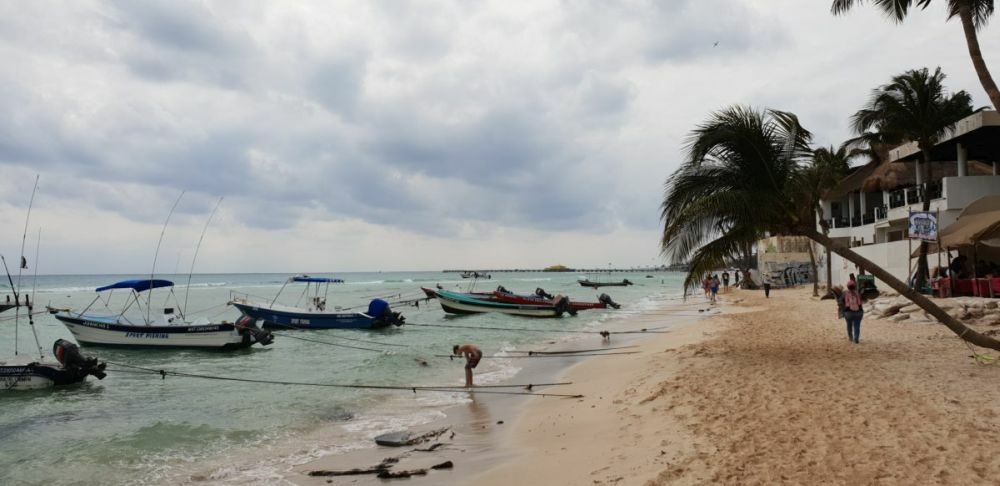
472, 355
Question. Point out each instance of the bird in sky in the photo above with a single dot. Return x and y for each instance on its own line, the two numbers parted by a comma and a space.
716, 44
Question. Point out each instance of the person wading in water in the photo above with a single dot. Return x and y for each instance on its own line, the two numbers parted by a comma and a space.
472, 355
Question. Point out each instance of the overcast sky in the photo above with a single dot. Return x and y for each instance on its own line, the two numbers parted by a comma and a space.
351, 136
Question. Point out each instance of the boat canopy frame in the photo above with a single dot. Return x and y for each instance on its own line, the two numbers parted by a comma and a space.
313, 284
136, 287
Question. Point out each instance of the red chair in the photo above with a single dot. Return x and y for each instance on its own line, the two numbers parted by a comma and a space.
942, 287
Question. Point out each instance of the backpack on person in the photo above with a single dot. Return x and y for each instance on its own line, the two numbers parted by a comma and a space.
852, 301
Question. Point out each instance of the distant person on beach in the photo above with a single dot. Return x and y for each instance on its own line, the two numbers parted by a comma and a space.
767, 286
853, 311
706, 283
736, 276
472, 355
725, 281
714, 287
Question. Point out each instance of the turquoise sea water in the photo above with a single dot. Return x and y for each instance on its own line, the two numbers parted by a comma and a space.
140, 429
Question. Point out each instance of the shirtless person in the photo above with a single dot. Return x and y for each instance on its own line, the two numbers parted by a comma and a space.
472, 355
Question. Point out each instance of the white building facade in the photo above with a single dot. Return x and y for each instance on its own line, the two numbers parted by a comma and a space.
874, 222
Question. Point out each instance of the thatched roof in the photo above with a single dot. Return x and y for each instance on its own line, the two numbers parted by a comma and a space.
892, 175
853, 181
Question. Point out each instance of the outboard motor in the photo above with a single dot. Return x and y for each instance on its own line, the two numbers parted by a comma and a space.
606, 300
562, 305
248, 327
73, 361
626, 282
384, 316
502, 289
540, 292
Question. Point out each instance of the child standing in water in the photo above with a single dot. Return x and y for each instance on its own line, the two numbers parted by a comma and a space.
714, 287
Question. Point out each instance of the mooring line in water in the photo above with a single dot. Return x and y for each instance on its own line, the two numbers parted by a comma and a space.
488, 328
445, 389
451, 356
334, 344
573, 351
337, 337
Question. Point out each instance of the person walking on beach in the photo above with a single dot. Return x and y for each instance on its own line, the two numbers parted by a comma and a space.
767, 286
725, 281
706, 283
714, 287
472, 355
853, 311
736, 276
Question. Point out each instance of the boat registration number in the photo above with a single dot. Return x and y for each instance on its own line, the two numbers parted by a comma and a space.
303, 322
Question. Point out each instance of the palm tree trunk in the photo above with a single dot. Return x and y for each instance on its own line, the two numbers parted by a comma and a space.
829, 272
815, 271
923, 302
972, 41
922, 259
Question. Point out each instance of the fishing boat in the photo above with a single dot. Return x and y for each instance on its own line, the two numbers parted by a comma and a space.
603, 301
26, 371
471, 274
70, 367
458, 303
589, 283
168, 329
314, 315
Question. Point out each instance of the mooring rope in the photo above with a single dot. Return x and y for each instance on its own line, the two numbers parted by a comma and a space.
337, 337
529, 352
437, 388
452, 356
490, 328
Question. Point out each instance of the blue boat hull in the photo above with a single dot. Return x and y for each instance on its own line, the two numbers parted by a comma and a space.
279, 319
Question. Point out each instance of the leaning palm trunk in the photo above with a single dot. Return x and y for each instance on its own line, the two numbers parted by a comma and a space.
972, 41
829, 272
920, 300
922, 259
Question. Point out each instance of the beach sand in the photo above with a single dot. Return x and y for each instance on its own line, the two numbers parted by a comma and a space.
770, 393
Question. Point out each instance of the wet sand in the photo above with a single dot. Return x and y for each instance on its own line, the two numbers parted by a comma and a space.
484, 428
772, 394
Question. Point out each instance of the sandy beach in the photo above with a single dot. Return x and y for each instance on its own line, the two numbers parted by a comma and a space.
771, 392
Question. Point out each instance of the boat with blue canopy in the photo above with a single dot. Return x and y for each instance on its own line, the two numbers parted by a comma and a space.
311, 311
135, 326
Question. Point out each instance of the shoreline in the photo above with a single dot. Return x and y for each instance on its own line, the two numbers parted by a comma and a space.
483, 424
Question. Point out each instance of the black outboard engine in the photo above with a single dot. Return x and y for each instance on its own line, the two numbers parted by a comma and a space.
606, 300
74, 362
384, 316
249, 329
540, 292
626, 282
562, 305
502, 289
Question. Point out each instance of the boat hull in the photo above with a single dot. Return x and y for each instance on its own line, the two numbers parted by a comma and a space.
467, 305
526, 300
34, 376
280, 319
103, 333
586, 283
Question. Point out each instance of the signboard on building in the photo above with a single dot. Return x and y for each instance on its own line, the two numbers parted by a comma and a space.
923, 226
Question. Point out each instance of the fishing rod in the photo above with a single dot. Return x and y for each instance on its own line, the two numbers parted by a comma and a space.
485, 328
152, 273
34, 288
452, 356
446, 389
24, 262
195, 257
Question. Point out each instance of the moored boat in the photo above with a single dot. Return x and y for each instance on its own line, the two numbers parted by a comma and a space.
603, 301
70, 367
588, 283
315, 315
168, 330
458, 303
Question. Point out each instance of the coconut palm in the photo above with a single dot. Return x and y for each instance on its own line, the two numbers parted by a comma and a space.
824, 171
739, 181
913, 106
974, 14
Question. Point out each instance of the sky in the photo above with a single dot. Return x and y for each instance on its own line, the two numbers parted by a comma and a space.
403, 135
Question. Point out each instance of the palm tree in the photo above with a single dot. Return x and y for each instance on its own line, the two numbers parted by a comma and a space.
913, 106
974, 14
739, 181
823, 172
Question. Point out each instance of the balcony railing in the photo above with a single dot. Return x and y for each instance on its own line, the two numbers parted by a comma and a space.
915, 194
